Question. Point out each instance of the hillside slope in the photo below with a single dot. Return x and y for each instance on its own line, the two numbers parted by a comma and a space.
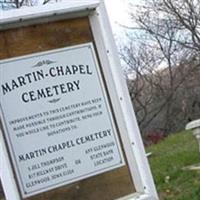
169, 158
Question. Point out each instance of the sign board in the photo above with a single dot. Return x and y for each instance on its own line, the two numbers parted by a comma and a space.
59, 124
67, 128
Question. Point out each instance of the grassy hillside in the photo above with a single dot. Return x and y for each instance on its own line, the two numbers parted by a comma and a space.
168, 158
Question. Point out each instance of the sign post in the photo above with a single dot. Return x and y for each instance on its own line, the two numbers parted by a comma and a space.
66, 121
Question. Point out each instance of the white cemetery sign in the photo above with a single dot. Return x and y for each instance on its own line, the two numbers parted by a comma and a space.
46, 115
63, 110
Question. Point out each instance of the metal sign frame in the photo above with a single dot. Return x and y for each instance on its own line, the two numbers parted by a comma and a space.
107, 51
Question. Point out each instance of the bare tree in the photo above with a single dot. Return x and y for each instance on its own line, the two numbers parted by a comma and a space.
163, 52
15, 4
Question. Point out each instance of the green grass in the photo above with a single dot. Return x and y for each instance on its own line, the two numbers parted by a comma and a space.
168, 158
